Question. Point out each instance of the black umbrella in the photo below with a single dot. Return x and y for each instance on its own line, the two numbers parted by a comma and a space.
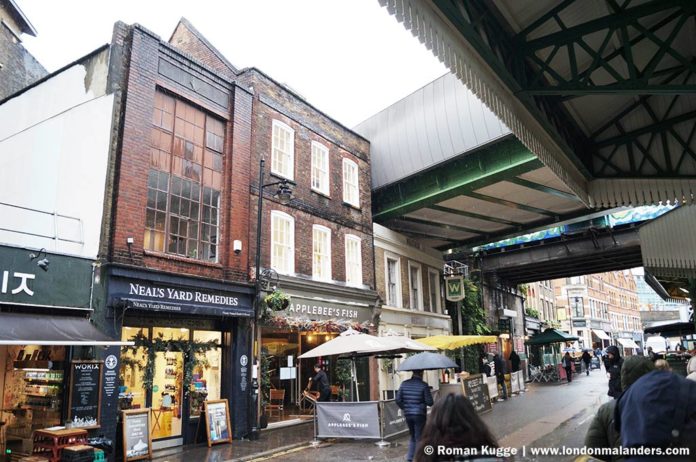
426, 361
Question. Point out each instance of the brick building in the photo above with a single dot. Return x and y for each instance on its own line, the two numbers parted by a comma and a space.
18, 68
170, 136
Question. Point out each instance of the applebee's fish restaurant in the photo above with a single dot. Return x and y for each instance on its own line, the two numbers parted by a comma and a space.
190, 345
52, 356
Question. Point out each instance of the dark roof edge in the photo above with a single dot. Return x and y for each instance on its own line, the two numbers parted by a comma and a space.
27, 28
301, 98
54, 73
205, 41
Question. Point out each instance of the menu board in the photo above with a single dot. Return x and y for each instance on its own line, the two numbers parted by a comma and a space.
217, 422
137, 443
85, 394
476, 389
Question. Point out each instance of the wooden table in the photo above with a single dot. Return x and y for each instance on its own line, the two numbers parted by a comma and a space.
51, 442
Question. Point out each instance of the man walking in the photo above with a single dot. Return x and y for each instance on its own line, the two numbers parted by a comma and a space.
413, 398
568, 366
587, 359
500, 370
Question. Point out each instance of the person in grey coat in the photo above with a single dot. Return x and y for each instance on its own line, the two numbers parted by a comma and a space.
413, 398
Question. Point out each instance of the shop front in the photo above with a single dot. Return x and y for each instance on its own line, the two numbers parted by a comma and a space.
190, 344
50, 351
311, 318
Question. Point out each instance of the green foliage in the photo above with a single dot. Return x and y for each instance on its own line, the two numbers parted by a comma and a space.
265, 377
192, 352
523, 289
342, 377
534, 313
277, 300
473, 313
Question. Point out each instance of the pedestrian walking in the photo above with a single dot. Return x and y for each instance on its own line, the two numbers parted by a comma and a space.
321, 383
613, 365
484, 367
500, 370
567, 363
587, 359
651, 354
453, 423
514, 361
602, 433
413, 398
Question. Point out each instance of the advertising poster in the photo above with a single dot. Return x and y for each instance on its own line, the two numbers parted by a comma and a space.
217, 418
136, 434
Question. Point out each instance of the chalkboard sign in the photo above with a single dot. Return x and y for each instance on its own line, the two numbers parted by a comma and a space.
476, 389
137, 442
217, 422
85, 394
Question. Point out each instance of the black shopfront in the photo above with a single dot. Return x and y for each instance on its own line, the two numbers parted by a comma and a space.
191, 344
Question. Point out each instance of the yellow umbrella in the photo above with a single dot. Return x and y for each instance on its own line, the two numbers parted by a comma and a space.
451, 342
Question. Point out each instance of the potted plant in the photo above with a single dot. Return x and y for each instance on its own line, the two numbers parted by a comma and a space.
277, 300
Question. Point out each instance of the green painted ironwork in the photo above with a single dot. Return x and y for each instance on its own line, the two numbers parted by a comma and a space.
477, 216
463, 175
543, 188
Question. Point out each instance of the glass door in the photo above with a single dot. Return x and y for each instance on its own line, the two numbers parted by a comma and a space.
167, 385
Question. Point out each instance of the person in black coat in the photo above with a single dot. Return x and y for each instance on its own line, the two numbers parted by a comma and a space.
514, 361
587, 359
500, 370
484, 367
613, 364
321, 382
413, 398
568, 366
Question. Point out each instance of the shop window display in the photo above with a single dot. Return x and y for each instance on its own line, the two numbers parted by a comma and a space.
205, 383
32, 383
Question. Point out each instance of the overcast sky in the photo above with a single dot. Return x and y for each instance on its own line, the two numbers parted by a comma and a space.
349, 58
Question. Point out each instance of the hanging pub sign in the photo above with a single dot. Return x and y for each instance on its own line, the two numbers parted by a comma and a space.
454, 288
137, 442
85, 394
217, 422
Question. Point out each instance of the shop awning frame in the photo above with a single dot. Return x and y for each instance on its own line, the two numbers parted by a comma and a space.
451, 342
601, 334
32, 329
628, 343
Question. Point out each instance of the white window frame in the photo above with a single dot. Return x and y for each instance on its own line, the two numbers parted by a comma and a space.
322, 273
437, 307
419, 305
321, 170
290, 168
350, 183
398, 303
349, 268
288, 267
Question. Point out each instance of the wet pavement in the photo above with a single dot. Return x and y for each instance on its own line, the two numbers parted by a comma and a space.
547, 415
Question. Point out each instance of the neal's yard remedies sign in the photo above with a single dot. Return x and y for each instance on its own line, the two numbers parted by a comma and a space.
85, 394
476, 389
348, 420
217, 422
137, 442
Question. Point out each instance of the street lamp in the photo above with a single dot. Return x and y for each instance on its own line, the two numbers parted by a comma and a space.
284, 195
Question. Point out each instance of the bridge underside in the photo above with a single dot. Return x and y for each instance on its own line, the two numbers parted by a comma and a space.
603, 93
591, 251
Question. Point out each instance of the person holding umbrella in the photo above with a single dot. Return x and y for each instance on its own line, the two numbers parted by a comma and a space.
413, 398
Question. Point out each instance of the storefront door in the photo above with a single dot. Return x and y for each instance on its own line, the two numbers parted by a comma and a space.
174, 408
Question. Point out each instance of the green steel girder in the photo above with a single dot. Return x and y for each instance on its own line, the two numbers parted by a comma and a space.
406, 230
511, 204
460, 176
656, 127
477, 216
440, 225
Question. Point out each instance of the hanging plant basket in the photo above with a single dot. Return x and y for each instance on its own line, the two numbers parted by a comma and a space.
277, 300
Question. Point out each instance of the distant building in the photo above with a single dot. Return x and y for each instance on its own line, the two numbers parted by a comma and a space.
540, 307
18, 68
601, 309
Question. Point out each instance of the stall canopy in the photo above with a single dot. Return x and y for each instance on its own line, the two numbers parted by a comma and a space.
451, 342
26, 329
628, 343
601, 334
550, 336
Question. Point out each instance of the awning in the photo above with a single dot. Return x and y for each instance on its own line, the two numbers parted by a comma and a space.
551, 336
666, 248
450, 342
628, 343
601, 334
26, 329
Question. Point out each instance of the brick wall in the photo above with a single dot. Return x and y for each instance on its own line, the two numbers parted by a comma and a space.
273, 102
19, 67
380, 278
130, 195
187, 39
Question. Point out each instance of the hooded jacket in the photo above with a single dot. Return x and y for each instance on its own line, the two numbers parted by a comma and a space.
601, 433
614, 370
658, 410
